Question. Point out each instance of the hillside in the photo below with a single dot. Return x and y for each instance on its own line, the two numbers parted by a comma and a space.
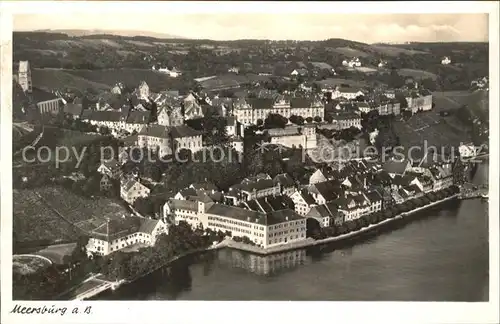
111, 58
60, 79
126, 33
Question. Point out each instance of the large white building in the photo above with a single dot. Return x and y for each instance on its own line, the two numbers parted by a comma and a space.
419, 100
347, 92
294, 136
249, 111
121, 232
266, 230
166, 140
343, 120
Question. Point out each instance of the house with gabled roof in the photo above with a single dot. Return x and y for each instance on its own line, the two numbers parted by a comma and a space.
118, 233
354, 206
111, 168
268, 204
327, 191
442, 176
326, 214
285, 183
184, 137
396, 167
303, 201
250, 189
191, 107
131, 189
156, 138
317, 177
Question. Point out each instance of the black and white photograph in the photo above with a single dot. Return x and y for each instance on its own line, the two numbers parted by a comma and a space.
204, 155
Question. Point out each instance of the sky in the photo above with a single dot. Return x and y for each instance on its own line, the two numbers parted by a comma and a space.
368, 28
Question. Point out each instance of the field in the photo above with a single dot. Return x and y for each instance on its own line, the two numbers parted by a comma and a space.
450, 99
156, 81
54, 137
229, 81
77, 209
430, 127
394, 51
58, 216
477, 102
33, 221
350, 52
140, 44
83, 43
24, 264
61, 79
418, 74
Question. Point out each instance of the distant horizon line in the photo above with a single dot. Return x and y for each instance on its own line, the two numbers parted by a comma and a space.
179, 37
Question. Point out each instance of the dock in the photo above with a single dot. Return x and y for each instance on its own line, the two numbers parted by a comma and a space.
90, 288
480, 191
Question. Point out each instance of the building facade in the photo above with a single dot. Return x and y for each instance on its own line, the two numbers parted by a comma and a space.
117, 234
249, 111
24, 76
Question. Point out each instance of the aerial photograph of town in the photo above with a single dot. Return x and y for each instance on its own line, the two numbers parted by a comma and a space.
219, 158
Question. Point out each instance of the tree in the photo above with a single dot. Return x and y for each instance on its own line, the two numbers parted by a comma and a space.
297, 120
360, 98
402, 100
144, 206
184, 155
317, 119
309, 120
275, 121
260, 122
328, 118
103, 130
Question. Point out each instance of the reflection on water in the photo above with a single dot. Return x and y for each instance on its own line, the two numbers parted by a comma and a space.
262, 265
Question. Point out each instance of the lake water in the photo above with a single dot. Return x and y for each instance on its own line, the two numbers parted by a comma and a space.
440, 255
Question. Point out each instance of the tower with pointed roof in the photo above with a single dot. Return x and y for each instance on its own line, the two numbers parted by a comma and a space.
24, 76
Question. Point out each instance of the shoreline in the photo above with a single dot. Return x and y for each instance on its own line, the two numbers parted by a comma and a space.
312, 242
308, 242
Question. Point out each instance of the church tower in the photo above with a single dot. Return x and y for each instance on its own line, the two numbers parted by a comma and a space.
24, 76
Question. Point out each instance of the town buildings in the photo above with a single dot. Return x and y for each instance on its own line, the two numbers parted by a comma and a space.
348, 93
264, 229
249, 111
388, 108
354, 62
166, 140
345, 119
419, 100
121, 232
294, 136
259, 186
191, 107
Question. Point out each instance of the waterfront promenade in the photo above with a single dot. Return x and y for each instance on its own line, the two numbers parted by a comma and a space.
312, 242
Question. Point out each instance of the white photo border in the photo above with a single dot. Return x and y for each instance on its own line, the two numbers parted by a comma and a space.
251, 312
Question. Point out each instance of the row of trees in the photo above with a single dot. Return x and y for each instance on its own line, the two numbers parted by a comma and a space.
279, 121
384, 214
